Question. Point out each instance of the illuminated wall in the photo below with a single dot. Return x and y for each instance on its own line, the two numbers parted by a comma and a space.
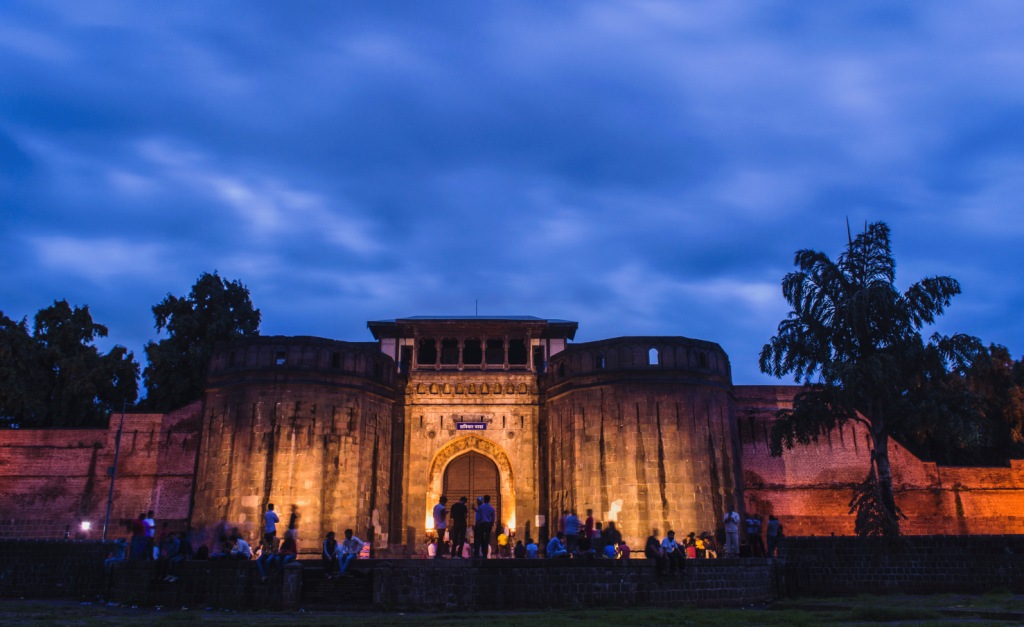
55, 479
297, 421
809, 487
642, 431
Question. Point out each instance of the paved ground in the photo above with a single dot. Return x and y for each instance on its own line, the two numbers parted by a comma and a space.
990, 609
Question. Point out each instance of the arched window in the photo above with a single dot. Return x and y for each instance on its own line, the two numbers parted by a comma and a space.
652, 357
517, 352
472, 353
495, 352
599, 361
427, 353
449, 351
702, 359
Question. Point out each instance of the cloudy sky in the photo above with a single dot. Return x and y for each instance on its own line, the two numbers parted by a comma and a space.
644, 168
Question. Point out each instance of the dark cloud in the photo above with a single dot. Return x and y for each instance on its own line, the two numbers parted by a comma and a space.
644, 168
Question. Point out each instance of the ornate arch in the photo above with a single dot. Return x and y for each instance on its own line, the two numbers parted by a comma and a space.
485, 447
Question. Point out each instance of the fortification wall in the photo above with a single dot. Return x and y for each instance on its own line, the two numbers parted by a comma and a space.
297, 421
53, 480
809, 487
642, 431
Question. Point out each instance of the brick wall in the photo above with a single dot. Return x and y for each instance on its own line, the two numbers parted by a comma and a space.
809, 487
523, 584
205, 583
910, 564
52, 480
52, 568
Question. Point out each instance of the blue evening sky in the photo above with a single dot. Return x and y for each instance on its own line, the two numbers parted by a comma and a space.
644, 168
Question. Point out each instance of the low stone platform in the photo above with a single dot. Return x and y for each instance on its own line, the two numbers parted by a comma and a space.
809, 566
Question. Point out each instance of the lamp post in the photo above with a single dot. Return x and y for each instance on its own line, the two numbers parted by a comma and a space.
113, 470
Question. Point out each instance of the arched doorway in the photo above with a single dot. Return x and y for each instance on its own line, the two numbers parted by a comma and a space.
471, 475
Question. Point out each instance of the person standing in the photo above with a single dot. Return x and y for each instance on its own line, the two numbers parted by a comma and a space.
138, 550
732, 532
150, 524
774, 533
457, 536
440, 524
484, 523
270, 528
572, 533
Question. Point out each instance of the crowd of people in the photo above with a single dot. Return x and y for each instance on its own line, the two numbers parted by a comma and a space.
588, 538
452, 539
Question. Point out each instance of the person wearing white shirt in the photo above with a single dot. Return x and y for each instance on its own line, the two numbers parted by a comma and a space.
350, 548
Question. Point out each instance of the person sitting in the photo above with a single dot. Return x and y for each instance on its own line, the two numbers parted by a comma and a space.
519, 552
690, 546
241, 550
532, 550
170, 544
184, 553
653, 551
610, 552
351, 547
284, 555
264, 561
672, 552
556, 548
623, 550
329, 555
118, 554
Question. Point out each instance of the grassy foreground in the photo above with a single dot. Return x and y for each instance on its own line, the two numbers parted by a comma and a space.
989, 609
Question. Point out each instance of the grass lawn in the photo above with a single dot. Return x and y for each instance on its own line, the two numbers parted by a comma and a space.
989, 609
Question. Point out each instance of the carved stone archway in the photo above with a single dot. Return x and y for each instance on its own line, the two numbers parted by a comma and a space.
485, 447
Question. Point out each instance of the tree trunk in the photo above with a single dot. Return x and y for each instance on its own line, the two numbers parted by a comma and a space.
880, 459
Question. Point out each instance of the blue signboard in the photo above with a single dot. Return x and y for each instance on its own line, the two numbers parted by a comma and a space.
471, 426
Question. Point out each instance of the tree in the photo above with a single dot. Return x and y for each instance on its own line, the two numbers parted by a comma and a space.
55, 377
854, 341
214, 311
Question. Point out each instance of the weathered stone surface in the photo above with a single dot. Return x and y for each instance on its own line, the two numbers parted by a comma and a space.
297, 421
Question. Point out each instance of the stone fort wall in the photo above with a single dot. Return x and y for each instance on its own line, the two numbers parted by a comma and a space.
809, 487
53, 480
650, 442
297, 421
642, 431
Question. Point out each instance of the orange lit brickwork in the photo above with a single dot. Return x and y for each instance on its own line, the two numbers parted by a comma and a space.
809, 487
646, 431
51, 480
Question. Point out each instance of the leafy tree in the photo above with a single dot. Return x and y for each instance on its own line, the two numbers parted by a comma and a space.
55, 377
854, 340
214, 311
